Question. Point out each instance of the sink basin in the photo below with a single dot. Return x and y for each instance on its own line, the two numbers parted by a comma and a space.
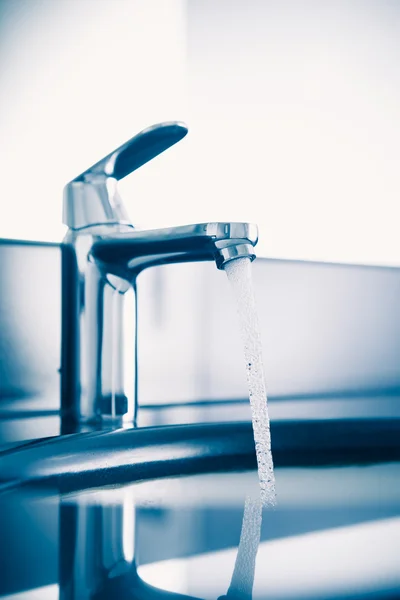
157, 512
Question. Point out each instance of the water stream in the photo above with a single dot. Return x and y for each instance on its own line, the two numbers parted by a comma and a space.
241, 586
240, 276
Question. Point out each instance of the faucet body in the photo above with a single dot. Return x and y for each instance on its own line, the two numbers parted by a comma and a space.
102, 255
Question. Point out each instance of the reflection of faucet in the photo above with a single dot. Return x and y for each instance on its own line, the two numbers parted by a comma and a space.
96, 560
97, 547
102, 254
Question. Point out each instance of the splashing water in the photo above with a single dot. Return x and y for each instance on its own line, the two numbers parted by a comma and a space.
239, 275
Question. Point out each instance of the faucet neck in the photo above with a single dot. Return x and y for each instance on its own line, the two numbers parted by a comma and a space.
94, 200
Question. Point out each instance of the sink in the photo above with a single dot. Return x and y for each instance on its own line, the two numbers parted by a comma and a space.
157, 512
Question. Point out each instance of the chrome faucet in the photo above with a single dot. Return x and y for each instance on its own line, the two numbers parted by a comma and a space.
102, 255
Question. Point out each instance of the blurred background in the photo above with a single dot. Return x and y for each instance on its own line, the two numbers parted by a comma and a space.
292, 109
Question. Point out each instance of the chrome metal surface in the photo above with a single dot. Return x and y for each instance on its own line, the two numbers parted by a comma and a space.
92, 197
102, 254
96, 554
96, 459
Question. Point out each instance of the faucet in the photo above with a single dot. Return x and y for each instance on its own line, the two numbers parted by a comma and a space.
102, 254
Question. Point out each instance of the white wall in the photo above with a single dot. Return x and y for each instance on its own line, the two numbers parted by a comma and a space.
294, 107
78, 78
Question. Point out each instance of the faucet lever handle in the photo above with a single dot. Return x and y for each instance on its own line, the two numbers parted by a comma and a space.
92, 198
137, 151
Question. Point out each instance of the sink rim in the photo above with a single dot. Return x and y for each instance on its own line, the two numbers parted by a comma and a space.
96, 459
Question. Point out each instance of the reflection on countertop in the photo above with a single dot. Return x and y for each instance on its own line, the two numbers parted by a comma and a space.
181, 534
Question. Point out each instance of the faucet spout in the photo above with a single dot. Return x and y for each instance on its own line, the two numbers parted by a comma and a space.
136, 250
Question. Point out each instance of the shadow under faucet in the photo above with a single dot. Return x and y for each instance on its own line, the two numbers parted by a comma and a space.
102, 255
